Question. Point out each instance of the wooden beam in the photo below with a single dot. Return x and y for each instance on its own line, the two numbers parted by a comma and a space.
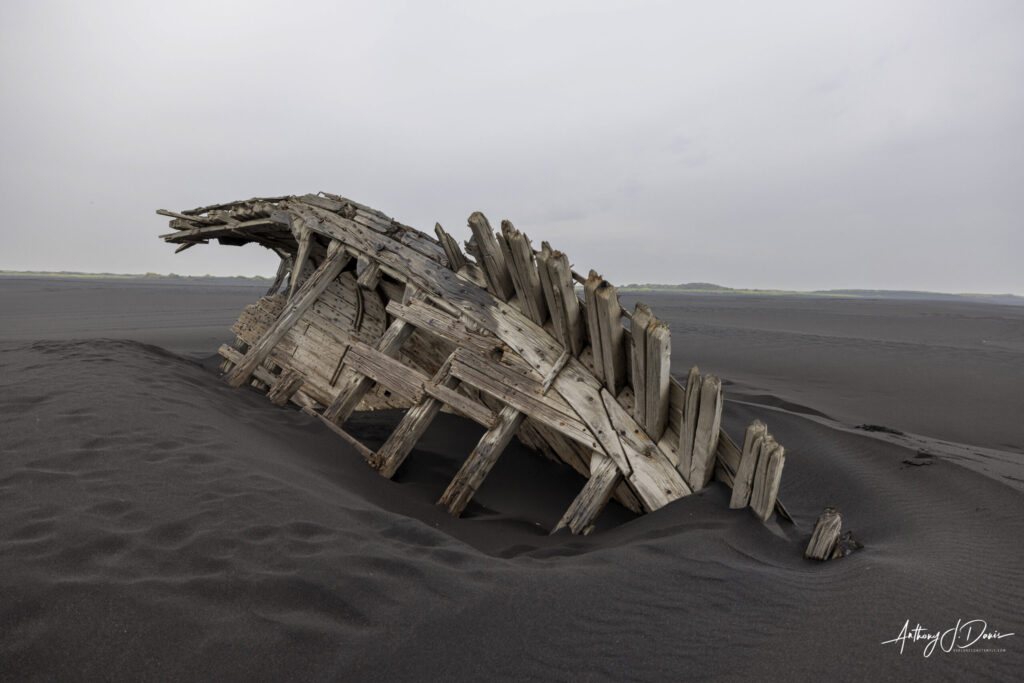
613, 354
688, 428
656, 384
744, 478
705, 440
360, 447
443, 325
414, 424
479, 463
304, 298
583, 512
499, 281
354, 384
642, 317
285, 386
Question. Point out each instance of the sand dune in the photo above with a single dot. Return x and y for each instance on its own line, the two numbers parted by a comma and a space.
158, 524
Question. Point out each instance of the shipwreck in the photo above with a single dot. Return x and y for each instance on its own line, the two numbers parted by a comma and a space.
367, 313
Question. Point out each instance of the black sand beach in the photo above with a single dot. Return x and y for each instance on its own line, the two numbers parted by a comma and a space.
158, 524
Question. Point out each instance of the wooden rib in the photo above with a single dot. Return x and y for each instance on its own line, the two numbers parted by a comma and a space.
744, 477
705, 440
440, 324
354, 385
301, 256
414, 424
563, 299
604, 477
527, 281
479, 463
451, 248
499, 281
656, 384
767, 477
593, 322
283, 269
613, 354
304, 298
642, 317
370, 277
688, 429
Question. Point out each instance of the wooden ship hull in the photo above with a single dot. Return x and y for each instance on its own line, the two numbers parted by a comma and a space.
367, 313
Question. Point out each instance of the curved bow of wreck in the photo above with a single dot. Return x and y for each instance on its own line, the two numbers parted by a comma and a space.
368, 313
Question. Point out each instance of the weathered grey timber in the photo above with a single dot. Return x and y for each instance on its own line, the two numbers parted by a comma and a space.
825, 536
379, 315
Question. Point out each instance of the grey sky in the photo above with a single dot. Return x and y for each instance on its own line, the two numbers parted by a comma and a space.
784, 144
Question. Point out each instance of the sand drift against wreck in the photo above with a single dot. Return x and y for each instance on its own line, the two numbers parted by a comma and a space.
366, 313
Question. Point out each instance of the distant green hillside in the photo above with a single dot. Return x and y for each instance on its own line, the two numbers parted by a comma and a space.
709, 288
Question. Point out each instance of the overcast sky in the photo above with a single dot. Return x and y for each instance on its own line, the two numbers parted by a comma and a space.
761, 144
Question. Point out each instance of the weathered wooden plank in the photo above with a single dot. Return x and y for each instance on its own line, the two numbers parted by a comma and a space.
479, 463
767, 477
564, 301
744, 478
582, 513
499, 280
304, 298
301, 257
593, 322
825, 537
370, 276
353, 385
412, 427
656, 384
613, 353
705, 440
688, 432
463, 405
651, 474
386, 371
299, 397
527, 280
522, 392
642, 317
456, 260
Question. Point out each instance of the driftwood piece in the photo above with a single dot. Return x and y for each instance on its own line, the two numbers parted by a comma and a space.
304, 298
688, 429
479, 463
825, 537
593, 281
499, 280
285, 387
563, 303
604, 477
526, 280
705, 439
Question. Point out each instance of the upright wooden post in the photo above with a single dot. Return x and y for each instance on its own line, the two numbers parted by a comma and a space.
642, 317
825, 537
310, 290
613, 357
744, 478
767, 477
499, 281
479, 463
593, 324
688, 428
451, 248
705, 440
659, 350
604, 477
527, 280
563, 303
301, 256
